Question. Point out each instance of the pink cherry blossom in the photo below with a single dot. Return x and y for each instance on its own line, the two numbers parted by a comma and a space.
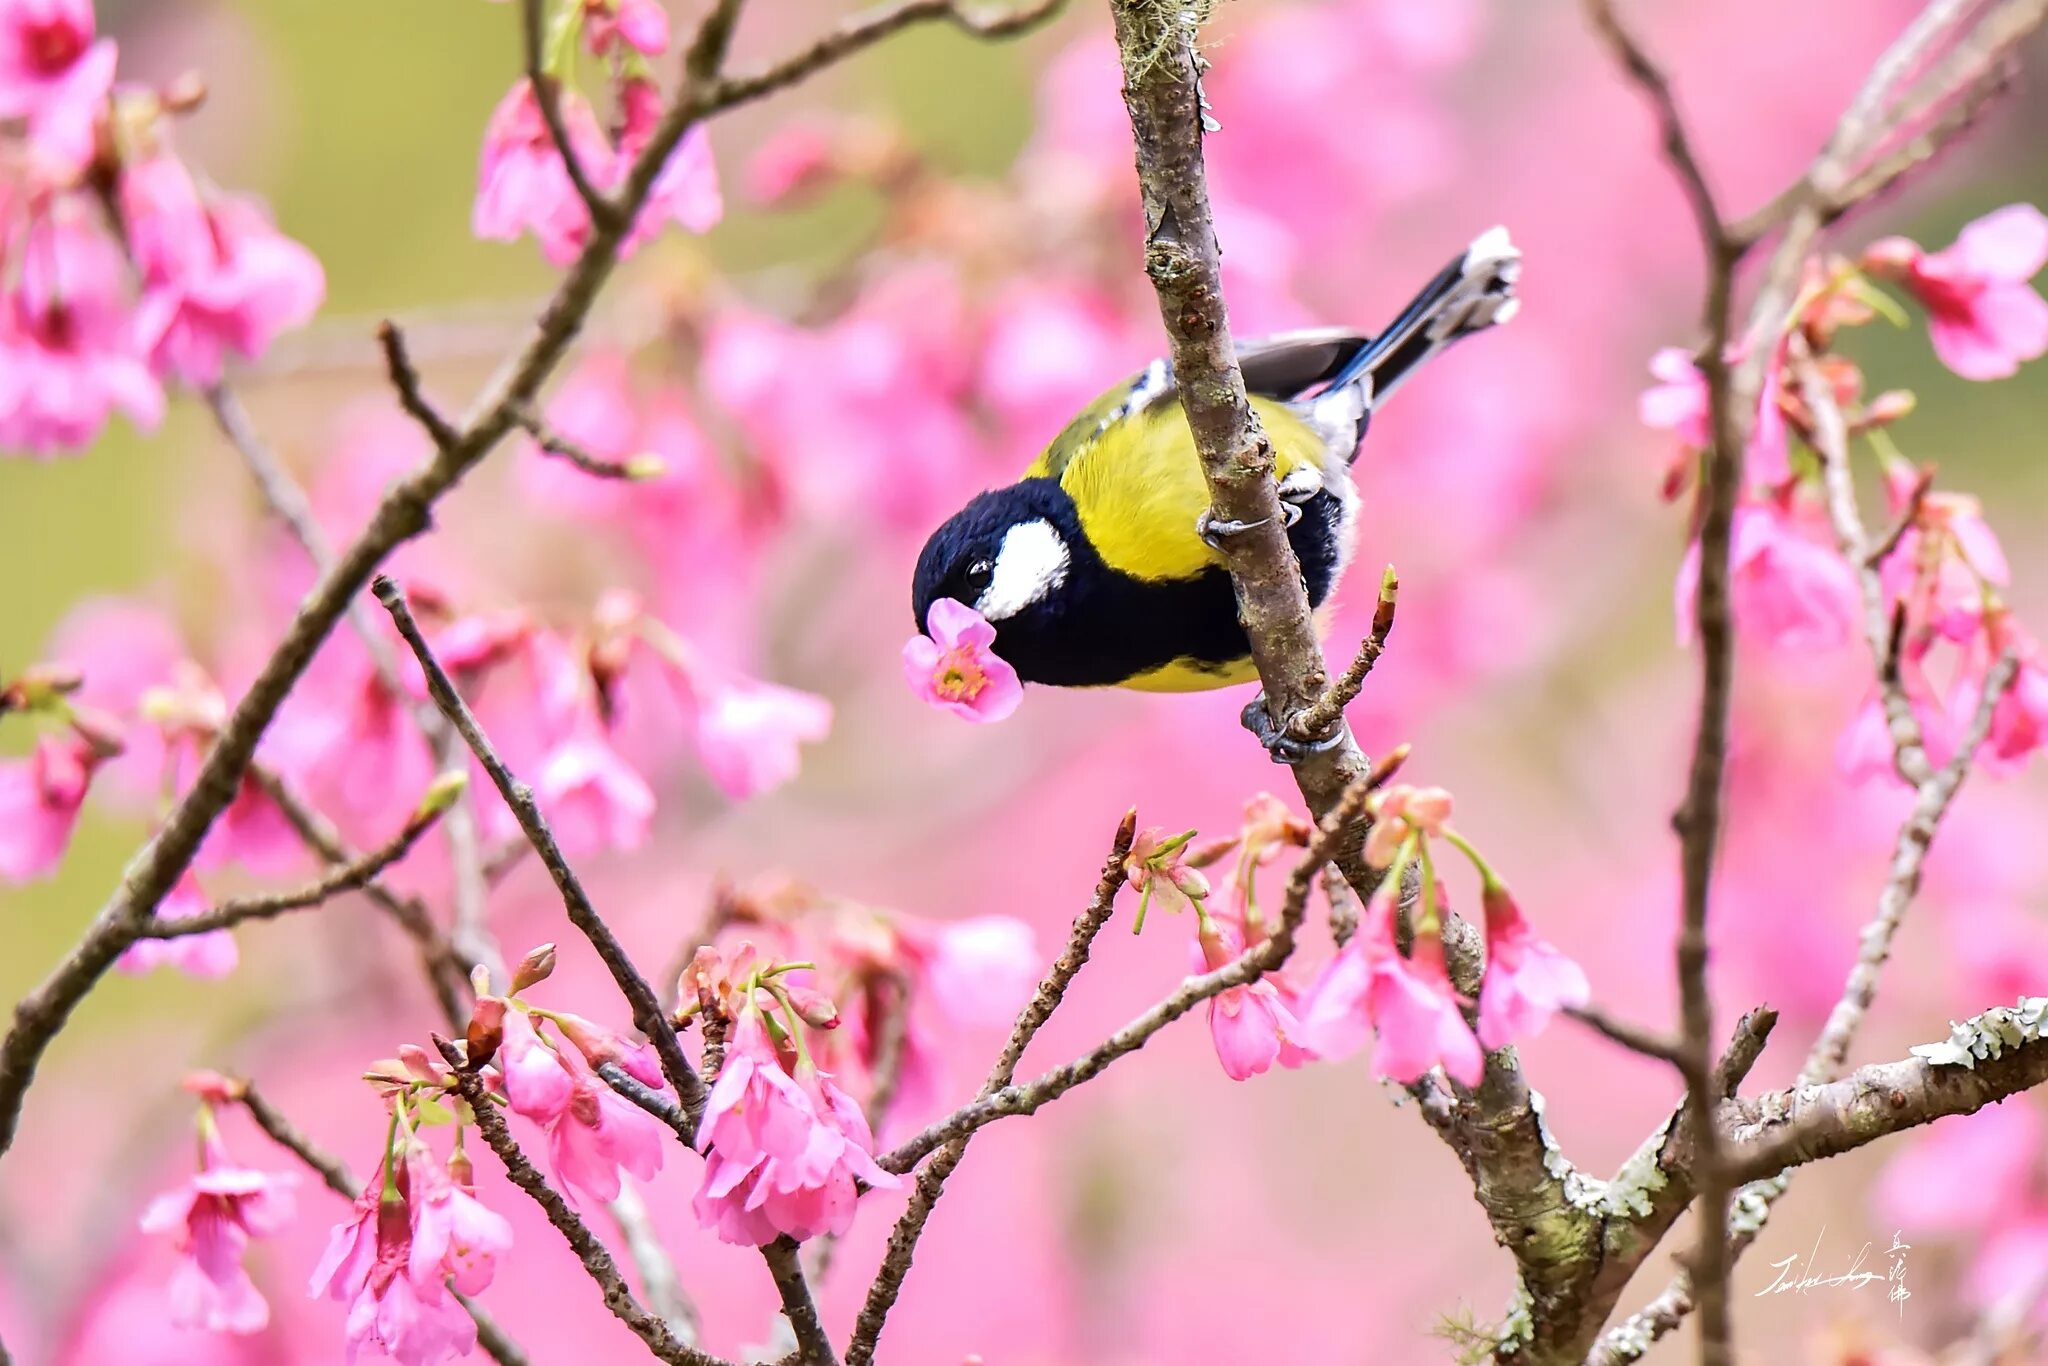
640, 24
56, 77
1789, 588
210, 1219
217, 277
1677, 403
537, 1083
1401, 811
1983, 315
593, 1132
39, 801
748, 731
686, 192
207, 956
522, 185
367, 1267
782, 1151
1527, 980
953, 667
68, 347
1944, 562
1252, 1026
1408, 1002
454, 1237
600, 1046
593, 798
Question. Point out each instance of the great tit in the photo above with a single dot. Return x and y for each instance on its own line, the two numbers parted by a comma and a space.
1100, 566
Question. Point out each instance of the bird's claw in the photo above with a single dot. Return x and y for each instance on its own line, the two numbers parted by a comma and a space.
1281, 747
1215, 530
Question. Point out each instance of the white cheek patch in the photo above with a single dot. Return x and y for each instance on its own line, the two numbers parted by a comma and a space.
1031, 565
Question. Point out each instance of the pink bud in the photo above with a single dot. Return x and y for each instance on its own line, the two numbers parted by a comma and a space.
214, 1088
486, 1029
535, 968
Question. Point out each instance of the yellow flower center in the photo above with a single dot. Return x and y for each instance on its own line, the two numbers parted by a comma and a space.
959, 676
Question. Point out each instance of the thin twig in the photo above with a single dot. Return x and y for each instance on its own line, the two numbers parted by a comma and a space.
447, 971
1316, 718
1243, 970
931, 1182
411, 390
858, 31
288, 503
347, 877
1633, 1037
547, 93
334, 1174
647, 1012
555, 444
330, 1169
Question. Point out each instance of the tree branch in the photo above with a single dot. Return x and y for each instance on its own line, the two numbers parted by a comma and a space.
447, 970
347, 877
785, 1264
647, 1013
1988, 1058
1246, 968
1820, 195
547, 94
1497, 1129
931, 1182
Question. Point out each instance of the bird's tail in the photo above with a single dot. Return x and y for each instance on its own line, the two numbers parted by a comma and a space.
1471, 294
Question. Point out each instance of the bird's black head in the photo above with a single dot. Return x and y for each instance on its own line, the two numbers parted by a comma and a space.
1008, 554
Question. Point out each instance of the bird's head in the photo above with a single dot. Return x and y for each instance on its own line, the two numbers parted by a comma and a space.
1006, 554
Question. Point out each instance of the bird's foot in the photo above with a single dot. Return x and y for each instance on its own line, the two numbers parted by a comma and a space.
1215, 530
1282, 747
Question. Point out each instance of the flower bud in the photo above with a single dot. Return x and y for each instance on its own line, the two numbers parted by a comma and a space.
1887, 408
535, 968
486, 1029
214, 1088
1890, 257
183, 94
39, 686
813, 1007
98, 729
442, 793
462, 1171
645, 466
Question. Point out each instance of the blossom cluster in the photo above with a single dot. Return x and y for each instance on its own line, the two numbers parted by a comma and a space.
1945, 571
123, 267
1389, 980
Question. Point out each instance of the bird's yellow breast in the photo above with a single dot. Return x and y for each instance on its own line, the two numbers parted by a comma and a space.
1138, 490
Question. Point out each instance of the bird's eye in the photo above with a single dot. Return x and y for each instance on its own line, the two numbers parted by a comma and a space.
979, 574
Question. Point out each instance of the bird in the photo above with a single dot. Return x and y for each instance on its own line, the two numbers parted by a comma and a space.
1103, 567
